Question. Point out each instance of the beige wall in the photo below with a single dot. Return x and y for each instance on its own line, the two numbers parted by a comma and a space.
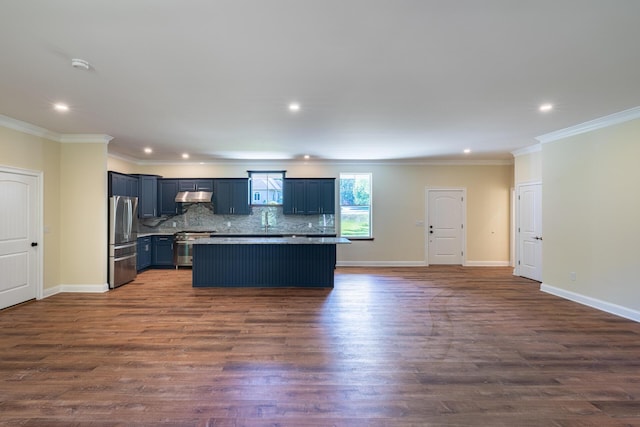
590, 206
83, 207
20, 150
528, 167
74, 204
120, 165
398, 203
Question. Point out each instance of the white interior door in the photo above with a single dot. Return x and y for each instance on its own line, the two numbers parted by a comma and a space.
18, 238
445, 226
530, 231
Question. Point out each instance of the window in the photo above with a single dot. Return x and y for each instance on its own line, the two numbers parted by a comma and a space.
355, 205
266, 187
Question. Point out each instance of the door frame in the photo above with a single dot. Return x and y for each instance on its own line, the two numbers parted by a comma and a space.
463, 236
516, 270
39, 232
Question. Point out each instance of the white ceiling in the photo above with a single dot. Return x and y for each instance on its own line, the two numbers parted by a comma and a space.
376, 79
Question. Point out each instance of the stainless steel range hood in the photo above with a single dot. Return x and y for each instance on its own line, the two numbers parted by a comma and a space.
194, 197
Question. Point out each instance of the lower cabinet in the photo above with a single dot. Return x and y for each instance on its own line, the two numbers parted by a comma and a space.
143, 259
162, 251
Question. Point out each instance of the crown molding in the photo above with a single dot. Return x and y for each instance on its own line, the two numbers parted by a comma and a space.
527, 150
602, 122
271, 163
41, 132
28, 128
72, 138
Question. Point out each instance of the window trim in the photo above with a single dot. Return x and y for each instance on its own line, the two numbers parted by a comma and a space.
262, 172
370, 235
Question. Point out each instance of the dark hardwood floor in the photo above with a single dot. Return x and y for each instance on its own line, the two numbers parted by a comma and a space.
436, 346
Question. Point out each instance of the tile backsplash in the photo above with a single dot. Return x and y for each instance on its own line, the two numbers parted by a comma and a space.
270, 219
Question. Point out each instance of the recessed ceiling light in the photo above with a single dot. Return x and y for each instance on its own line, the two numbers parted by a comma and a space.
467, 150
546, 107
294, 107
185, 155
148, 150
63, 108
307, 157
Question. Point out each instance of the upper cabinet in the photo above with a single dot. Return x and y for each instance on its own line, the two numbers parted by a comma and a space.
122, 185
157, 195
147, 196
167, 191
309, 196
231, 196
196, 185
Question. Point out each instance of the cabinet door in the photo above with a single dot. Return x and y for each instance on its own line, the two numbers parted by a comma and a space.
131, 184
162, 250
294, 196
222, 196
240, 197
187, 185
144, 253
204, 185
147, 196
196, 185
312, 197
231, 196
117, 186
167, 191
327, 196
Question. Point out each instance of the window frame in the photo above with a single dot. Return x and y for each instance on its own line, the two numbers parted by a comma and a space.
370, 205
264, 172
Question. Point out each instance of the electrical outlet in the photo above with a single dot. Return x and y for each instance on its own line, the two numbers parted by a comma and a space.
174, 224
572, 276
228, 223
310, 225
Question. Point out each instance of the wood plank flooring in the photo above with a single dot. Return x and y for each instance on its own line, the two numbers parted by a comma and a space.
435, 346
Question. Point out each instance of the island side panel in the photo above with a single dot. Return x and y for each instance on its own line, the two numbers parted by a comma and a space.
264, 265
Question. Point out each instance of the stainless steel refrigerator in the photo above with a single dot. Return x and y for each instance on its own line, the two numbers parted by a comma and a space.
123, 235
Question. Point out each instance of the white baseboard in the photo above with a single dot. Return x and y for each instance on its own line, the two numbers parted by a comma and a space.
608, 307
75, 289
416, 264
381, 264
487, 264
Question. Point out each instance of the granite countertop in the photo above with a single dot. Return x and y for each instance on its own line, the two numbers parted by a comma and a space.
253, 235
301, 240
154, 234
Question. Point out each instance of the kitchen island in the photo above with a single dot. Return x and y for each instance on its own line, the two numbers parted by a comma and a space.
239, 262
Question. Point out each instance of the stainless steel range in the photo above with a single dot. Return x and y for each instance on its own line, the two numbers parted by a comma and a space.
183, 246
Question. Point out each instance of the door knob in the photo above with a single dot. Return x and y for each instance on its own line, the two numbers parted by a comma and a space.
34, 244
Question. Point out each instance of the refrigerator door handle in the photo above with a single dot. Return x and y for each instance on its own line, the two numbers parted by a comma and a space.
124, 257
129, 218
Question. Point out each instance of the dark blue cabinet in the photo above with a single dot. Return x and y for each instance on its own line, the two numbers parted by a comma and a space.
147, 196
231, 196
119, 184
143, 259
167, 191
195, 185
294, 196
308, 196
326, 200
162, 251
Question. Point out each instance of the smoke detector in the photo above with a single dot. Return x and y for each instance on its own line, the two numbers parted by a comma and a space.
80, 64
